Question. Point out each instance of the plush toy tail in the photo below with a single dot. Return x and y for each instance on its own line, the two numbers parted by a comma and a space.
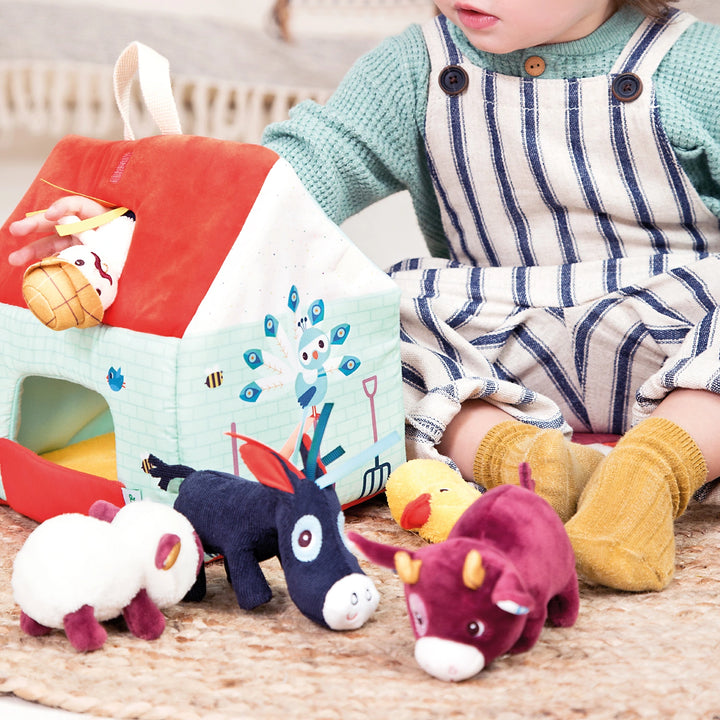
526, 478
166, 472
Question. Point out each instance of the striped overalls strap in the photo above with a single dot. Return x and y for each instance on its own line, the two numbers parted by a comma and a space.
545, 171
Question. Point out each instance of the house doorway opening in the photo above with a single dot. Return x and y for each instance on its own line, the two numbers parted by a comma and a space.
67, 424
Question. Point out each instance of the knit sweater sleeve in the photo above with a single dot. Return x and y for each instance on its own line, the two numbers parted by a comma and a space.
688, 96
367, 141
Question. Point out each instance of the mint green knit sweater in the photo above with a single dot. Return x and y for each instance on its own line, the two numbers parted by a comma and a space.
367, 142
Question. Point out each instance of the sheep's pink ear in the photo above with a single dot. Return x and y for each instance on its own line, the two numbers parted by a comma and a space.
103, 510
167, 551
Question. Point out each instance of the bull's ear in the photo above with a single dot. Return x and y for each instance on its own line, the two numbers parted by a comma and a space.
383, 555
510, 594
510, 606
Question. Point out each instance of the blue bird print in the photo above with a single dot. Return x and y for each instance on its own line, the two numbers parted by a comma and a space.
311, 381
115, 379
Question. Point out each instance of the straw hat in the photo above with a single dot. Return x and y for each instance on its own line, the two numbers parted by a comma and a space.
60, 296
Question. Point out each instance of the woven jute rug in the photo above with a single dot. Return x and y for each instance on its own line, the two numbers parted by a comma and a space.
629, 655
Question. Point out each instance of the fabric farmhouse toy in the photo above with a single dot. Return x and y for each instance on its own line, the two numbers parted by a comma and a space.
75, 571
231, 269
506, 567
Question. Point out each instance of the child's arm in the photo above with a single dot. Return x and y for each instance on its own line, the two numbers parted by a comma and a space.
366, 142
45, 223
688, 94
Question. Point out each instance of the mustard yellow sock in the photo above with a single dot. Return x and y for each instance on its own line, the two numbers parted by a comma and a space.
559, 467
623, 533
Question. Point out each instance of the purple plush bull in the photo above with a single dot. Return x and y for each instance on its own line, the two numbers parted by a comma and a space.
506, 567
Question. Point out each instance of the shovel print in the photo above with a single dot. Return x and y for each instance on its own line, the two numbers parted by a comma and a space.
378, 472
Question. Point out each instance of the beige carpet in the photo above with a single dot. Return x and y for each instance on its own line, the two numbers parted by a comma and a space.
628, 656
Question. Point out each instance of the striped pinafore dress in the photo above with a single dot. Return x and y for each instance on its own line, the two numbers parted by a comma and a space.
583, 266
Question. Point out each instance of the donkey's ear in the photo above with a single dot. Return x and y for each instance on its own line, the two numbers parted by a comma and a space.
267, 466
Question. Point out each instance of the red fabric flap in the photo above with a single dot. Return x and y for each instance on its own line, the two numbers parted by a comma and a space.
191, 196
40, 489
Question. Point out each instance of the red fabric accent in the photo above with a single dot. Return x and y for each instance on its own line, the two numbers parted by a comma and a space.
103, 510
40, 489
83, 631
592, 438
166, 545
143, 618
191, 196
416, 512
30, 627
267, 466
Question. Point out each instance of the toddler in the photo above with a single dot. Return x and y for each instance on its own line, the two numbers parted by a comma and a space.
563, 158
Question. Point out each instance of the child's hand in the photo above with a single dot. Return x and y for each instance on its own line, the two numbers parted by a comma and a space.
45, 223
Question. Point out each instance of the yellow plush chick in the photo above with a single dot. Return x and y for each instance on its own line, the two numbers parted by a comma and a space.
428, 497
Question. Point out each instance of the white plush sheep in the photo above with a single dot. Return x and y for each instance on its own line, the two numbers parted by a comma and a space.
75, 571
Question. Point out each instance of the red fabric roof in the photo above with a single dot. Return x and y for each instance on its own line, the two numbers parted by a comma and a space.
191, 196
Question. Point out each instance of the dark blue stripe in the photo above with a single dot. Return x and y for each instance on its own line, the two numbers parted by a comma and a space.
449, 209
675, 174
702, 341
555, 372
623, 378
669, 378
658, 263
403, 265
453, 53
592, 199
696, 287
583, 332
475, 298
493, 339
535, 160
520, 286
650, 298
647, 38
413, 378
611, 274
703, 334
462, 167
668, 335
448, 354
567, 288
515, 214
626, 166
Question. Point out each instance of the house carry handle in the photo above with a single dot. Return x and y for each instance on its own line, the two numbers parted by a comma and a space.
153, 72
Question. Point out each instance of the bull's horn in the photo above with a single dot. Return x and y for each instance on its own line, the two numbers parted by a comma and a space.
473, 570
408, 568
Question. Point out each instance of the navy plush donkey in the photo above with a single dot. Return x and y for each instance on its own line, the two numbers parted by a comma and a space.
288, 513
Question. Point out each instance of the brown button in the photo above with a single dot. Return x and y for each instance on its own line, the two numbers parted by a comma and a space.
534, 66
